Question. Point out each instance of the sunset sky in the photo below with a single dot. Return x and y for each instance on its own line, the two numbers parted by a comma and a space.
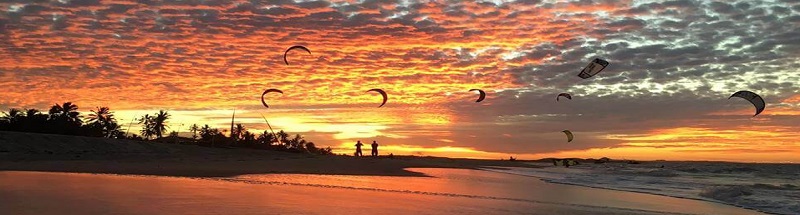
673, 65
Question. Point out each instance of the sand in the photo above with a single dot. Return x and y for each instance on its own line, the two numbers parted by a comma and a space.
43, 174
60, 153
65, 193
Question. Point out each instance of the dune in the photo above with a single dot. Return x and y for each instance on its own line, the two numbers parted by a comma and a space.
61, 153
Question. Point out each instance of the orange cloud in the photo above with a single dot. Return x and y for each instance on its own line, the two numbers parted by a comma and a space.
201, 60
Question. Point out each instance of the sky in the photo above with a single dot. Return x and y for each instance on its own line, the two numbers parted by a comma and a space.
673, 65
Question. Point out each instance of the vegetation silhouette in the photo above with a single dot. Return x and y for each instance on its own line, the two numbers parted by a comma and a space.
100, 122
154, 125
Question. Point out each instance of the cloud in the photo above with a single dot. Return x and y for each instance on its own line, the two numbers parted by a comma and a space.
673, 64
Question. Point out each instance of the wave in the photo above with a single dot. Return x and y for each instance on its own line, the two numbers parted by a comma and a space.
752, 196
765, 198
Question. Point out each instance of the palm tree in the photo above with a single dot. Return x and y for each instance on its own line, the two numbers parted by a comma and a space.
103, 119
267, 138
147, 126
283, 137
248, 138
32, 112
159, 122
205, 132
113, 131
297, 142
34, 121
13, 116
67, 112
102, 116
238, 132
13, 119
194, 129
65, 119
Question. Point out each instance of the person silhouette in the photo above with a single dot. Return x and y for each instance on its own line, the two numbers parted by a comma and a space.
374, 148
358, 148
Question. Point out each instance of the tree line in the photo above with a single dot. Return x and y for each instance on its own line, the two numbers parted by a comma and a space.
66, 120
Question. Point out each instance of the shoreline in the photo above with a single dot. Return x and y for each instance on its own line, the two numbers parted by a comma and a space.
283, 183
228, 167
322, 186
69, 154
546, 180
220, 191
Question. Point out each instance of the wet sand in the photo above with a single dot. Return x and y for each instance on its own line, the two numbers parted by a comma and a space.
206, 180
70, 193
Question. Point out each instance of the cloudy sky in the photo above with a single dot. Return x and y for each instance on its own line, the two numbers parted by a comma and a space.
664, 96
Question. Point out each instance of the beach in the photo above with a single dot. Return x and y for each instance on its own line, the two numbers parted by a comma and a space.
78, 193
54, 174
59, 153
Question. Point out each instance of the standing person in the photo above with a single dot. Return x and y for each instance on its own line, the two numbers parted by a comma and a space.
374, 149
358, 148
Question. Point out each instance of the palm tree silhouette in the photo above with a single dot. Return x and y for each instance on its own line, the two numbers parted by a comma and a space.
283, 137
159, 122
67, 112
297, 142
65, 119
103, 119
194, 129
102, 115
34, 121
147, 126
13, 116
238, 132
32, 112
267, 138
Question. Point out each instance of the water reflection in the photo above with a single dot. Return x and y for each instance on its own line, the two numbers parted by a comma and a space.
448, 192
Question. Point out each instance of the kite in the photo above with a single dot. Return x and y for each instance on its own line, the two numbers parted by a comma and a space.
565, 95
265, 93
383, 93
481, 97
593, 68
294, 47
569, 135
754, 98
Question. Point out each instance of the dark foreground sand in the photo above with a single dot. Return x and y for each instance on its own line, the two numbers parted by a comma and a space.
59, 153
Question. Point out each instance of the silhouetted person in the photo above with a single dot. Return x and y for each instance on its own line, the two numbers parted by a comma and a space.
358, 148
374, 149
